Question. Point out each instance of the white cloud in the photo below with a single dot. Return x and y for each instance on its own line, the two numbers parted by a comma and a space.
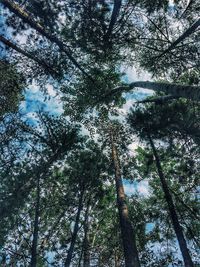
141, 188
133, 74
50, 90
129, 189
132, 147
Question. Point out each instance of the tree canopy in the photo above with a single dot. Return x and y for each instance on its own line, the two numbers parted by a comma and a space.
99, 166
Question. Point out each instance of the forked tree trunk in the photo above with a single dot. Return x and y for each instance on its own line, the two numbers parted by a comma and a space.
75, 231
172, 210
36, 227
127, 232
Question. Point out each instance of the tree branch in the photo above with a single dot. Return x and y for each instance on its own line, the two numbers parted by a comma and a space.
42, 63
176, 90
187, 33
158, 100
21, 13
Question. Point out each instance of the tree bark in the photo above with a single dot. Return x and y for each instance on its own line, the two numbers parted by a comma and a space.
21, 13
117, 259
172, 210
128, 235
158, 100
187, 33
36, 227
176, 90
42, 63
75, 231
113, 20
86, 242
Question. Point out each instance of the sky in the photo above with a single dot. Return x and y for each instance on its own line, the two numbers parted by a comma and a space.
36, 100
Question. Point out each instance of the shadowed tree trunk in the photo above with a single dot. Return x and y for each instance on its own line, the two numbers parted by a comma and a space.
176, 90
117, 258
86, 242
187, 33
36, 227
113, 20
75, 231
26, 17
40, 62
127, 232
172, 210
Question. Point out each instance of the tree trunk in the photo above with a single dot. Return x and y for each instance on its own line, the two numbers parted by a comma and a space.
117, 259
172, 211
128, 236
75, 231
158, 100
21, 13
86, 242
176, 90
36, 227
187, 33
42, 63
113, 20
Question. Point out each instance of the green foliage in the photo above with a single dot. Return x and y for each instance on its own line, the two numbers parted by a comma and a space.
68, 165
11, 87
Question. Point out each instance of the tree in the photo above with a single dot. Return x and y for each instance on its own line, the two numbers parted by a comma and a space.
175, 90
57, 139
11, 87
68, 182
146, 130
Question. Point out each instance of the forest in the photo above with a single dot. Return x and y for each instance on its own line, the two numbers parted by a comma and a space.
99, 133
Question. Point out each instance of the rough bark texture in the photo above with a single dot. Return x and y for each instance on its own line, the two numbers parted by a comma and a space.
36, 227
13, 7
158, 100
174, 217
75, 232
128, 236
176, 90
186, 91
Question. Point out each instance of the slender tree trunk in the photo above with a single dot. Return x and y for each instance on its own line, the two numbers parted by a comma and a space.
86, 242
75, 231
36, 227
176, 90
21, 13
80, 257
128, 235
113, 20
117, 259
40, 62
181, 38
174, 217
